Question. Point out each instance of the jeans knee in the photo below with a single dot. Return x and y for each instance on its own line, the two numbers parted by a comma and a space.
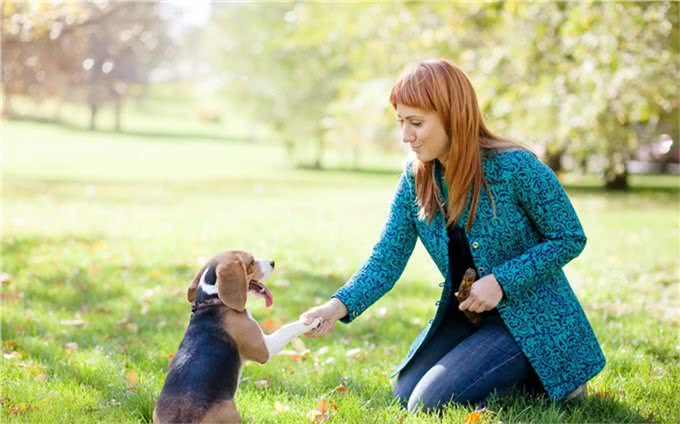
426, 401
401, 393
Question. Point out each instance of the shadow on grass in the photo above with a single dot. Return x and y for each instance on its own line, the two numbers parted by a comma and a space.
596, 407
349, 170
663, 190
150, 135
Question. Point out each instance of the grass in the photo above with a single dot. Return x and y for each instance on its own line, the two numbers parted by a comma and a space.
102, 232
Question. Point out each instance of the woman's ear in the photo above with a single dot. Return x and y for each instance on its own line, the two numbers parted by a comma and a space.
191, 290
232, 287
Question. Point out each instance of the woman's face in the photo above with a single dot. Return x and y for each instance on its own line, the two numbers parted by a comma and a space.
424, 132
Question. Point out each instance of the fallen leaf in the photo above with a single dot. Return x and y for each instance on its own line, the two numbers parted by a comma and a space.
475, 416
342, 388
9, 344
124, 321
170, 356
263, 384
12, 355
71, 347
131, 378
73, 322
280, 407
324, 410
356, 354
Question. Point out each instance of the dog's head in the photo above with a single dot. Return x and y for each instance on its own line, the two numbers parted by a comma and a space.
231, 275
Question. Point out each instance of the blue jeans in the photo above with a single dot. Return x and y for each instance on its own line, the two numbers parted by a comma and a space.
464, 364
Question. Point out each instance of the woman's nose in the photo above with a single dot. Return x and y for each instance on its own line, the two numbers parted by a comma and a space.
408, 136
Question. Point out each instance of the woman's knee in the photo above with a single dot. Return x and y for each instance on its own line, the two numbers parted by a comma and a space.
429, 398
402, 391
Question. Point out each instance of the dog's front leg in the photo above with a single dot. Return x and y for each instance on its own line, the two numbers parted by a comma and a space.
278, 339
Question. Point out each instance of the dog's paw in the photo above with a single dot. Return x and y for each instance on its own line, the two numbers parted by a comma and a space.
314, 324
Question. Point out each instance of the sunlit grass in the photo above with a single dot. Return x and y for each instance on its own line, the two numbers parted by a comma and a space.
102, 232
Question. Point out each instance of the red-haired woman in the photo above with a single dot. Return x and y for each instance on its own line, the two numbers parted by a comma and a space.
476, 201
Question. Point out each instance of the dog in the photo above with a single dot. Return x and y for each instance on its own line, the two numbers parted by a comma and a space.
204, 373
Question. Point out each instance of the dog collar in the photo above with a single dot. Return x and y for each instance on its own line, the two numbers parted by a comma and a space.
210, 302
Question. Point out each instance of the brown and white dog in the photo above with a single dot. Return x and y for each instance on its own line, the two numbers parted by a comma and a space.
221, 335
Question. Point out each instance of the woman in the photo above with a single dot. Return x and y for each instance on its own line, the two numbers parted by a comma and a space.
476, 201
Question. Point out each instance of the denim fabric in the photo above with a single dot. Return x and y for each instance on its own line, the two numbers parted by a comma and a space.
464, 364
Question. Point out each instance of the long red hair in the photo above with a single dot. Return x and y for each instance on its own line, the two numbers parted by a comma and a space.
442, 87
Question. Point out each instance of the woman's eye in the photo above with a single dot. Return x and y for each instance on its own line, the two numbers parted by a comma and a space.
417, 124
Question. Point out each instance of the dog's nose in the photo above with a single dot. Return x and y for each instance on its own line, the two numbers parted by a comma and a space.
272, 264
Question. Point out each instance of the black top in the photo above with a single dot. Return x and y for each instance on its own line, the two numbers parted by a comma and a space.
460, 259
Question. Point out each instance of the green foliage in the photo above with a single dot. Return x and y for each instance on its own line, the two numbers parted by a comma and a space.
102, 232
568, 78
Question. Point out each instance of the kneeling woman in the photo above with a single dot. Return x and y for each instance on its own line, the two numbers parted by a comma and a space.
476, 201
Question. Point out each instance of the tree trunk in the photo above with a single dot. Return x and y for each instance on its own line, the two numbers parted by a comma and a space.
355, 157
6, 105
616, 177
118, 106
320, 145
554, 159
93, 116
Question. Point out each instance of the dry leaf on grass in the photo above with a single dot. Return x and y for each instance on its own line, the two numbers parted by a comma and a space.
280, 407
342, 388
12, 355
73, 322
131, 379
475, 417
356, 354
71, 347
263, 384
324, 410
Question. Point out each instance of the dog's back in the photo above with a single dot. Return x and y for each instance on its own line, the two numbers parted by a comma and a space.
204, 372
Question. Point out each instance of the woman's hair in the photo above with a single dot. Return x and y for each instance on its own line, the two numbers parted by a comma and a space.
440, 86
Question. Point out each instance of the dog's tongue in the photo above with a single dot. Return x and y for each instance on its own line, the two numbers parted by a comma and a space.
267, 297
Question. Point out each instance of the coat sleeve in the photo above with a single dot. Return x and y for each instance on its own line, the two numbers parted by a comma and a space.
545, 202
388, 258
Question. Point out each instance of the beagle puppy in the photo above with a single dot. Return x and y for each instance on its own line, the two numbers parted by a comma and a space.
221, 335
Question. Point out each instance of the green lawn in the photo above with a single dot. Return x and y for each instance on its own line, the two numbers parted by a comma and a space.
102, 232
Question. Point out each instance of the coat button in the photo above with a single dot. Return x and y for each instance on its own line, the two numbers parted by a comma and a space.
475, 245
481, 269
442, 284
437, 303
430, 321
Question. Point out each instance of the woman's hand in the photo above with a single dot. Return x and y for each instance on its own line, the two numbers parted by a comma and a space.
484, 295
329, 312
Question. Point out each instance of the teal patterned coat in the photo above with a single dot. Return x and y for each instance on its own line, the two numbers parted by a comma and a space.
535, 234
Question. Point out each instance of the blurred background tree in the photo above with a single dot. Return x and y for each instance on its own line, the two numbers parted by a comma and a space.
88, 52
579, 82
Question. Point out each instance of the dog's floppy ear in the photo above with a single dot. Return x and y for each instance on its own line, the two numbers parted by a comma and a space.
232, 287
191, 290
